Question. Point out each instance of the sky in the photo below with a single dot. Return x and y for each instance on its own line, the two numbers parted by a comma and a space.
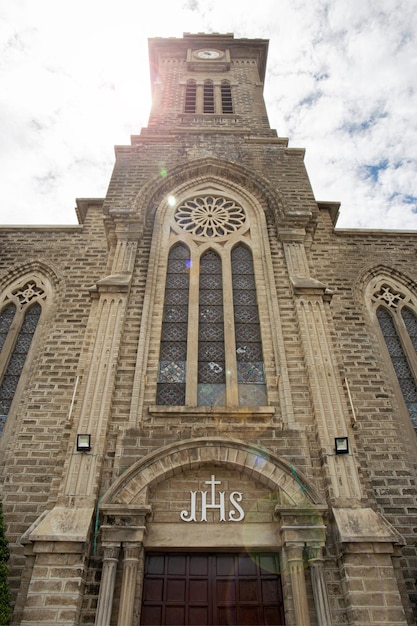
341, 82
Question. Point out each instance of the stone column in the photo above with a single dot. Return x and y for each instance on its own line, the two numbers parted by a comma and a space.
299, 527
132, 553
108, 578
294, 554
321, 598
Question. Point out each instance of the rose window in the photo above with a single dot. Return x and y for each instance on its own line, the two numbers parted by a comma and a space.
210, 216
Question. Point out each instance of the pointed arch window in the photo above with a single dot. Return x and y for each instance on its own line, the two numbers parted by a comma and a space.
211, 350
19, 319
173, 350
221, 336
250, 369
398, 324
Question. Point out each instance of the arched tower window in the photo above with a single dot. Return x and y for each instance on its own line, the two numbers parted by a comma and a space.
398, 324
226, 95
208, 97
19, 319
190, 97
222, 335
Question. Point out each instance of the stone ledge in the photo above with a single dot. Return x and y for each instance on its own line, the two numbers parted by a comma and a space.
365, 525
219, 411
64, 524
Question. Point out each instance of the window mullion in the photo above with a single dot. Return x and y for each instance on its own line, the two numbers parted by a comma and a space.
199, 105
232, 396
192, 342
217, 100
10, 342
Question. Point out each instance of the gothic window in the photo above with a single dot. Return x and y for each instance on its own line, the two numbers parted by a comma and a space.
250, 370
173, 351
18, 321
218, 335
226, 94
398, 324
190, 97
211, 351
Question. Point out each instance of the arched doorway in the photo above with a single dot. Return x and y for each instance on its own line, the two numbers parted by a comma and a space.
184, 515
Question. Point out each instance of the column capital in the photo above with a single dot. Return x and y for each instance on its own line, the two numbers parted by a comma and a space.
132, 550
302, 525
111, 551
314, 554
295, 554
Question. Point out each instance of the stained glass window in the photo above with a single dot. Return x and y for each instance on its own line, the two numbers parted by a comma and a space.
250, 369
210, 216
173, 351
210, 355
399, 360
17, 359
211, 352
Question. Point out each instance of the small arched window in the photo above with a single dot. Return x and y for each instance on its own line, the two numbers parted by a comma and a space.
226, 94
208, 99
190, 97
19, 317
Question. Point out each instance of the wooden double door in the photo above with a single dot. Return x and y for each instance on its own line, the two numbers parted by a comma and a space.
215, 589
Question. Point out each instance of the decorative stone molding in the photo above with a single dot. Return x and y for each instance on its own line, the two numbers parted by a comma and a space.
131, 488
209, 168
124, 523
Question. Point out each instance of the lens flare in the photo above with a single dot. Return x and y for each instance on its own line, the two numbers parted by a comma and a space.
171, 200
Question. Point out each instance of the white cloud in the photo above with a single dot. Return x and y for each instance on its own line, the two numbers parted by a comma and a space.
340, 82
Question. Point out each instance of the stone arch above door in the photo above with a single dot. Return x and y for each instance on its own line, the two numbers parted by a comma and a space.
131, 489
293, 524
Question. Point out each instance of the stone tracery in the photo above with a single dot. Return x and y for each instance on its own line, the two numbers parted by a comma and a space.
210, 216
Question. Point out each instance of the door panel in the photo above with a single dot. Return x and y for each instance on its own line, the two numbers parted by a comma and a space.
212, 590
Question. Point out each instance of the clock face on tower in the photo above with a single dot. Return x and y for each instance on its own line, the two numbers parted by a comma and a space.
208, 54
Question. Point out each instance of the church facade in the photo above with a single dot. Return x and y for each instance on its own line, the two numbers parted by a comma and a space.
208, 392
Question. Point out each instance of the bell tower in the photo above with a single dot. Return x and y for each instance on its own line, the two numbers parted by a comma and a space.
208, 81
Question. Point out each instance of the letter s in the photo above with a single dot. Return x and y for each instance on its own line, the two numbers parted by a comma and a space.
235, 497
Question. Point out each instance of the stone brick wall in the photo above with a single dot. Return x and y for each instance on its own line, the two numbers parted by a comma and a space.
33, 455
